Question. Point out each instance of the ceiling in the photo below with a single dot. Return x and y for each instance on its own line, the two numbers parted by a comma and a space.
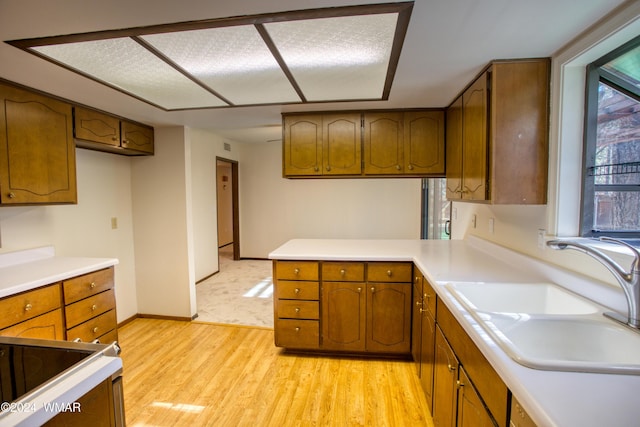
447, 43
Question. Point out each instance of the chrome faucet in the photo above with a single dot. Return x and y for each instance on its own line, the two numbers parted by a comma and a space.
630, 281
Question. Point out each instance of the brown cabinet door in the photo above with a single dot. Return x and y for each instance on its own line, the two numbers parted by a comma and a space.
427, 356
383, 143
389, 317
424, 143
475, 141
444, 383
454, 150
342, 142
95, 126
416, 321
37, 152
343, 316
46, 326
471, 410
137, 137
302, 145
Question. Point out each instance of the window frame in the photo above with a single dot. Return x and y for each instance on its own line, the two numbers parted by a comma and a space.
595, 75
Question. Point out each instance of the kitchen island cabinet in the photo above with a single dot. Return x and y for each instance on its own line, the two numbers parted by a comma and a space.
365, 306
549, 398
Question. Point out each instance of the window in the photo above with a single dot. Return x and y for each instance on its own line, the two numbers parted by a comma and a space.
611, 188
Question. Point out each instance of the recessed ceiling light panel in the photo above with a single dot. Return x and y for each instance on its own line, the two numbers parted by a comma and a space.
316, 55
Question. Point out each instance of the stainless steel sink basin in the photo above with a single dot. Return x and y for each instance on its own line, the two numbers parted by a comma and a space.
544, 326
531, 298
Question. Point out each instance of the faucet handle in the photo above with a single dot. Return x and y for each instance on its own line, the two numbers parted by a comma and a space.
634, 250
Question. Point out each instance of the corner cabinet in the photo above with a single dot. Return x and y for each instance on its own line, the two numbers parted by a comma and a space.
497, 135
364, 144
37, 152
102, 132
354, 307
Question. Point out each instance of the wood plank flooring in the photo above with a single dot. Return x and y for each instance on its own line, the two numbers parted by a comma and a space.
195, 374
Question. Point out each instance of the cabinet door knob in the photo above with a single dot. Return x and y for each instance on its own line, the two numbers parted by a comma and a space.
92, 285
418, 303
343, 272
373, 289
28, 307
95, 330
459, 383
328, 168
410, 167
398, 167
297, 329
12, 195
94, 307
389, 273
297, 290
359, 290
297, 309
296, 271
316, 169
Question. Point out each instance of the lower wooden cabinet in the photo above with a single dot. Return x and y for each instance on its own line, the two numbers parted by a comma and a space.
471, 410
444, 383
82, 307
352, 307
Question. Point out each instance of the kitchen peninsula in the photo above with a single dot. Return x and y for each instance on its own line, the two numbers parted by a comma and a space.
551, 398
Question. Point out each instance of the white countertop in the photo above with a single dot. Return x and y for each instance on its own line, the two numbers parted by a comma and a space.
29, 269
551, 398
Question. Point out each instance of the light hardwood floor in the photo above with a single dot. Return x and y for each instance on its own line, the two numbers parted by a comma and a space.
194, 374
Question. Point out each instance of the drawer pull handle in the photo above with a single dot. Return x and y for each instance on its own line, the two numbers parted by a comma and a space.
459, 383
92, 285
451, 368
418, 303
389, 273
94, 307
343, 272
95, 330
297, 309
297, 328
422, 310
296, 271
297, 291
28, 307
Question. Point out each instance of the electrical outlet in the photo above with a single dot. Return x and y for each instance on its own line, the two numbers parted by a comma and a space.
541, 233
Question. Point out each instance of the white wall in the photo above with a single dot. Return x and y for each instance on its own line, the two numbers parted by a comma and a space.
84, 230
274, 209
161, 190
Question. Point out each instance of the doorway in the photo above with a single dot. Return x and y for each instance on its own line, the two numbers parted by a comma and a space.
227, 206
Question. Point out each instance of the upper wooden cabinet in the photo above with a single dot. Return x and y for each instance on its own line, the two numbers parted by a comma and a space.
404, 143
497, 135
398, 143
37, 153
322, 144
99, 131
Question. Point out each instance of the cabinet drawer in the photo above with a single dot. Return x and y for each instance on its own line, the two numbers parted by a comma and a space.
109, 337
286, 289
47, 326
389, 272
88, 308
94, 328
293, 309
89, 284
343, 271
297, 333
27, 305
297, 270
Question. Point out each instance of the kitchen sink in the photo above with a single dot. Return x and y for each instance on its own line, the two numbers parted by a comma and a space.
583, 345
544, 326
531, 298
